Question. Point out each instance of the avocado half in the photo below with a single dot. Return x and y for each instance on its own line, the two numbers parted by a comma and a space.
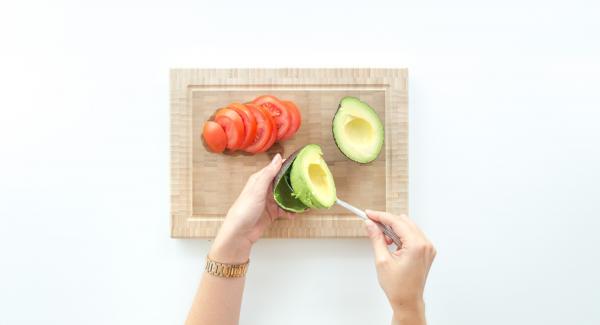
304, 181
357, 130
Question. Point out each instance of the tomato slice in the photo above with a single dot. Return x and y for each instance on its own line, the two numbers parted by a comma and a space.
214, 136
264, 128
249, 123
278, 111
234, 127
274, 134
295, 119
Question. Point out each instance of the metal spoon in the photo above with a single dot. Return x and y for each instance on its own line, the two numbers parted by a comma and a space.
387, 230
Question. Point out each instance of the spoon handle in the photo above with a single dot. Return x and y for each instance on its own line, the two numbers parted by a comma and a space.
387, 230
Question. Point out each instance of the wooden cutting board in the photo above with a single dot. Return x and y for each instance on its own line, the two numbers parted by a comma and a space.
204, 184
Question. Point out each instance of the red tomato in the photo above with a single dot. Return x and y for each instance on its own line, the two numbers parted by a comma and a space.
214, 136
264, 128
249, 123
295, 119
234, 127
278, 112
274, 134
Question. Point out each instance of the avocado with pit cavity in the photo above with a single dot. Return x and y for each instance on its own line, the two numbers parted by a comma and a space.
304, 181
311, 180
357, 130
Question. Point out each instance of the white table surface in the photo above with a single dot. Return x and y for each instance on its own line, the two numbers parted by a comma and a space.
504, 158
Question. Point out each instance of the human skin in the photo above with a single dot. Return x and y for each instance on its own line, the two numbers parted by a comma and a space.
218, 300
401, 274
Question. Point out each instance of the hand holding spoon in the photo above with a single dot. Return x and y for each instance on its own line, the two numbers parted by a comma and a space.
387, 230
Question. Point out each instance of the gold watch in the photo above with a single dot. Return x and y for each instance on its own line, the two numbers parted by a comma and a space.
224, 270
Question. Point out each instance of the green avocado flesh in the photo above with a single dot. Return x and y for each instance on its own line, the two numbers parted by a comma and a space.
357, 130
311, 180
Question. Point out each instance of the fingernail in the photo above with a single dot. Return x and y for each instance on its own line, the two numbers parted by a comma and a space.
276, 159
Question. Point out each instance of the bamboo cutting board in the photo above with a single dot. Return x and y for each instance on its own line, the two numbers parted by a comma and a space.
204, 184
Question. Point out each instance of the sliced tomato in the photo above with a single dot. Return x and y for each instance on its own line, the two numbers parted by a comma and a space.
214, 136
274, 134
234, 127
278, 111
295, 119
264, 128
249, 123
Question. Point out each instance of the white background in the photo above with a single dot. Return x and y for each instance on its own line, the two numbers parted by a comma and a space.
504, 158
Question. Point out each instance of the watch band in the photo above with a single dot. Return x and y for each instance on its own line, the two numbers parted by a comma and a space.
224, 270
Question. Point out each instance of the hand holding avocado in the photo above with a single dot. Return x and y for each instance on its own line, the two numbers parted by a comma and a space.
251, 213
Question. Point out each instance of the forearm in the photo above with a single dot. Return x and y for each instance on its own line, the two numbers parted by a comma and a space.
219, 300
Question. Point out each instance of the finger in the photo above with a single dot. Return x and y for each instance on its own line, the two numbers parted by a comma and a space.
400, 226
270, 170
271, 206
377, 241
251, 181
266, 175
270, 199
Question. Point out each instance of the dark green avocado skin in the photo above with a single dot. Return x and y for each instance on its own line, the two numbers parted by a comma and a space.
282, 189
287, 164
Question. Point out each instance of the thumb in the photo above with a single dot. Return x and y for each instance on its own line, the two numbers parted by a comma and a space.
270, 171
273, 167
377, 240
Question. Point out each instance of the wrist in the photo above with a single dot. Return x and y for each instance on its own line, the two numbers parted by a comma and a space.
229, 249
409, 313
